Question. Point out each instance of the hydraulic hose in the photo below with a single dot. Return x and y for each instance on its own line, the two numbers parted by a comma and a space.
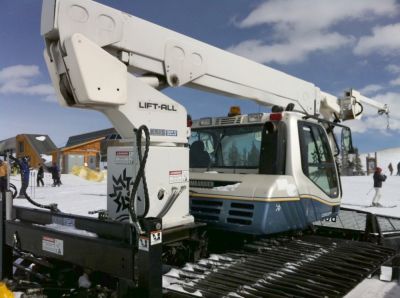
140, 173
362, 109
13, 190
52, 207
174, 195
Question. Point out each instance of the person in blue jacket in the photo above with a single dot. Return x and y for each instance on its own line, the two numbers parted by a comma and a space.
24, 169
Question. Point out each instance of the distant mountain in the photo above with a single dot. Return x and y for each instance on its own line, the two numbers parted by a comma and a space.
384, 157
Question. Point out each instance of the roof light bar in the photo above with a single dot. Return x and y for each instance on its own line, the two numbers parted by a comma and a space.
256, 117
205, 121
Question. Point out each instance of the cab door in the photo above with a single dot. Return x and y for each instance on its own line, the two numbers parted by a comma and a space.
318, 163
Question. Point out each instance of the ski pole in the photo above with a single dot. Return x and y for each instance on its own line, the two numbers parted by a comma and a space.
34, 185
31, 175
370, 190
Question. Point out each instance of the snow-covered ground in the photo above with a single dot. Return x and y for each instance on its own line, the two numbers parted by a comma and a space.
358, 191
78, 196
75, 195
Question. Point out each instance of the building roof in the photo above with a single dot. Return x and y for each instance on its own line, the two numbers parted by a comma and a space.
41, 143
8, 144
87, 137
80, 144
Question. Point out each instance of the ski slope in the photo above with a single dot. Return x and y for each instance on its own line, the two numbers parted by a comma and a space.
384, 158
78, 196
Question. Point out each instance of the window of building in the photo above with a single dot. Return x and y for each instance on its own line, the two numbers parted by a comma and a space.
21, 147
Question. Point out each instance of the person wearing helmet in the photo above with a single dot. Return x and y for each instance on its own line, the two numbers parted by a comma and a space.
378, 179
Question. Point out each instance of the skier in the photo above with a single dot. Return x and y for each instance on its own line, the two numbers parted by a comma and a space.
55, 174
378, 179
23, 165
398, 169
40, 175
390, 167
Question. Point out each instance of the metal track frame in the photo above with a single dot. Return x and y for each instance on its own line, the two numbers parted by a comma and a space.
102, 245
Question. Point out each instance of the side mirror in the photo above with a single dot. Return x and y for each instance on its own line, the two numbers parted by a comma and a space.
347, 142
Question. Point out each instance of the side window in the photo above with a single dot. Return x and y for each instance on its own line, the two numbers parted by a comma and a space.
317, 160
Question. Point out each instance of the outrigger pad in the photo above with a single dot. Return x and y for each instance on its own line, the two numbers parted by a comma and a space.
309, 266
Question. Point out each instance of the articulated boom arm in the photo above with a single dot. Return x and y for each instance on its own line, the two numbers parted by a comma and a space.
96, 54
356, 98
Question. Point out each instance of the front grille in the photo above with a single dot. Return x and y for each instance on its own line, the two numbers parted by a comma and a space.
204, 209
209, 183
242, 206
239, 221
207, 217
241, 213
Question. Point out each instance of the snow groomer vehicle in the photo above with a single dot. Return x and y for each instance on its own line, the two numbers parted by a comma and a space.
216, 207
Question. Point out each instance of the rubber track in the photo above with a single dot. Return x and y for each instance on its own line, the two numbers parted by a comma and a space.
310, 266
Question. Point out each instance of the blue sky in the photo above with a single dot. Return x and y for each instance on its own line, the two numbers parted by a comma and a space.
334, 44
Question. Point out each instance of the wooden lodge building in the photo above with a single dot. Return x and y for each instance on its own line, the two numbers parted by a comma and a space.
83, 149
35, 146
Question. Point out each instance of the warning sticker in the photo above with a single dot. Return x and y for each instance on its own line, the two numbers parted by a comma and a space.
124, 157
144, 243
178, 176
156, 237
55, 246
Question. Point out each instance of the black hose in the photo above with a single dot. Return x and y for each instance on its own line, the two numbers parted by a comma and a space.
140, 173
13, 190
362, 109
52, 207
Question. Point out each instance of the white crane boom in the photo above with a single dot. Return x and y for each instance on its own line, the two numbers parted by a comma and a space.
181, 60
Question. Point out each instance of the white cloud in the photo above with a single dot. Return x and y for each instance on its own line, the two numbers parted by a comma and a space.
50, 98
385, 40
395, 82
19, 79
294, 50
393, 68
370, 89
309, 15
301, 27
18, 72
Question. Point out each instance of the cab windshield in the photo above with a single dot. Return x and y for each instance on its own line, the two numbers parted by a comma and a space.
226, 147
